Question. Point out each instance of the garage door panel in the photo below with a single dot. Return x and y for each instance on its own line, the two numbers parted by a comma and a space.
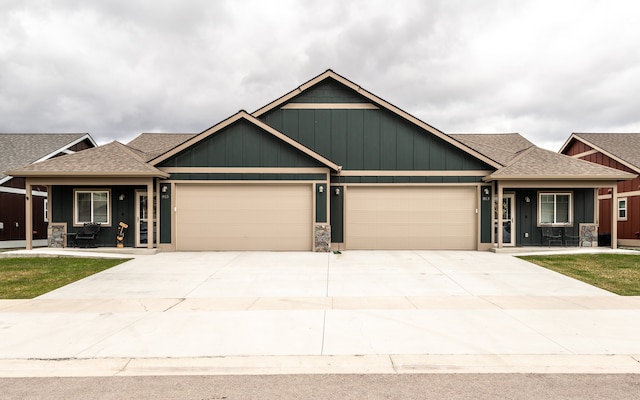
246, 217
411, 218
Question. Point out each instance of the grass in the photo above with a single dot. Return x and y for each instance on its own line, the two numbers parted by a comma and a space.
617, 273
28, 277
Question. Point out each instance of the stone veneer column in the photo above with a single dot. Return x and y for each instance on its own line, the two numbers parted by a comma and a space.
322, 238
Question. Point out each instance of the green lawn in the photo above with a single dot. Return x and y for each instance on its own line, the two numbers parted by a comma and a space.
617, 273
26, 278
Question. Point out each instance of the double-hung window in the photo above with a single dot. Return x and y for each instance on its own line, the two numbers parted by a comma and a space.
555, 209
622, 209
91, 206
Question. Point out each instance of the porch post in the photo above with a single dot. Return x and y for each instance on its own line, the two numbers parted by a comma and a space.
614, 217
28, 217
150, 230
499, 212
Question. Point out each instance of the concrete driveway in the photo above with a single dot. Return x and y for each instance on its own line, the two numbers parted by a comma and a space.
360, 311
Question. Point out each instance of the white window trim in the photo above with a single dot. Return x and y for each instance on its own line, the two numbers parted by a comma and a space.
75, 208
625, 208
570, 223
46, 210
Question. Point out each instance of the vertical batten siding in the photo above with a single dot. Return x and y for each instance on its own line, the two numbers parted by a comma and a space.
371, 140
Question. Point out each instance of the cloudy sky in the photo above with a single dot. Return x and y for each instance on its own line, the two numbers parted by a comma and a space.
117, 68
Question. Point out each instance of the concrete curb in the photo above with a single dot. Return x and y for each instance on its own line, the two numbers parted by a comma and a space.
344, 364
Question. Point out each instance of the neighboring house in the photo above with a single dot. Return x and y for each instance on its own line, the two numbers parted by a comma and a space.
17, 150
326, 166
620, 151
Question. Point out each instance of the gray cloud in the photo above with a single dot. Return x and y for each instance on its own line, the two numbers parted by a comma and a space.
117, 68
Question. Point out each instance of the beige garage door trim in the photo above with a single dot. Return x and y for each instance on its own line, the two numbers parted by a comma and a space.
417, 217
244, 217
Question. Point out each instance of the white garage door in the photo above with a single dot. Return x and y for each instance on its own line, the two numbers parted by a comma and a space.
244, 217
411, 218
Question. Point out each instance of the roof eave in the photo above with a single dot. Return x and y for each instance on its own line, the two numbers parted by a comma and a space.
101, 174
603, 178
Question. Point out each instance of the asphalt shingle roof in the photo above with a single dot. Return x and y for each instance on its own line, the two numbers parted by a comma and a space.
19, 149
155, 144
521, 159
112, 159
537, 163
625, 146
500, 147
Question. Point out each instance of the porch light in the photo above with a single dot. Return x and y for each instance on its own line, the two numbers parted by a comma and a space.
121, 197
321, 189
485, 191
527, 199
337, 191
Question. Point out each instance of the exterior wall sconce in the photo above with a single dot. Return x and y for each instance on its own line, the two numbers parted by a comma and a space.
321, 189
337, 191
527, 199
121, 197
165, 188
485, 191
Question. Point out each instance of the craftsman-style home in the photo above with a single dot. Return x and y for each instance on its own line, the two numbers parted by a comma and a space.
326, 166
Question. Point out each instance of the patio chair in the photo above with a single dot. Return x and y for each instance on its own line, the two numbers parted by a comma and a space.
571, 234
87, 235
550, 235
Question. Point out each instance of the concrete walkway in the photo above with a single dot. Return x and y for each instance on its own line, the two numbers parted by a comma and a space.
356, 312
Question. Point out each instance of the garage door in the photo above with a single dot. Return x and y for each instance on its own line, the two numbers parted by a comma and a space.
244, 217
411, 218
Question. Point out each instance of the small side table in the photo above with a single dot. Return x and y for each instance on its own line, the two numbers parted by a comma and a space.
71, 239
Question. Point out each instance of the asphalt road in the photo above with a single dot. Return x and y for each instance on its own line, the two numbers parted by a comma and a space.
424, 386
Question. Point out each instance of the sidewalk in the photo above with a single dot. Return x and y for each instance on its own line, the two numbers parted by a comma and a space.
357, 312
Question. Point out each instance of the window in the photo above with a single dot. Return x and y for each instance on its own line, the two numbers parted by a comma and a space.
555, 209
622, 209
91, 206
46, 210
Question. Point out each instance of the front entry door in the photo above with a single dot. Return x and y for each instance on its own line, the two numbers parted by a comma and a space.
142, 220
508, 220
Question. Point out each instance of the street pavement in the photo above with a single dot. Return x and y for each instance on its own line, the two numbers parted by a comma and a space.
359, 312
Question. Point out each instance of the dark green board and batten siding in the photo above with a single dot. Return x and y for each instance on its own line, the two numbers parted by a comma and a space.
241, 144
526, 213
365, 139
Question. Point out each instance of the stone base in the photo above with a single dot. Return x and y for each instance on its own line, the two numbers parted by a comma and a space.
322, 238
57, 235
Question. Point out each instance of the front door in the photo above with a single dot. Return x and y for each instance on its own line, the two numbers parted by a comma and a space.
142, 220
508, 220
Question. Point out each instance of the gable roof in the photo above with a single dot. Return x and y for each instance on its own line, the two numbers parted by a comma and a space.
243, 115
110, 160
538, 163
329, 74
522, 160
622, 147
155, 144
501, 147
19, 149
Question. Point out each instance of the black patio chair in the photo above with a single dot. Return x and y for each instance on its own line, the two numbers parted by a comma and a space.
571, 235
550, 234
87, 235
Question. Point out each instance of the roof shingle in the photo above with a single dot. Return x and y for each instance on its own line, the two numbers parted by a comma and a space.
112, 159
625, 146
19, 149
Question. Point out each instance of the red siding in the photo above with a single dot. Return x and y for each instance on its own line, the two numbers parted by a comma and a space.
626, 229
576, 147
12, 213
